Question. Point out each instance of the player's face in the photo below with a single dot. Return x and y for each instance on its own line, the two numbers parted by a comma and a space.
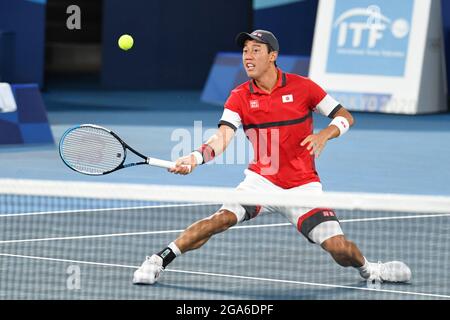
256, 58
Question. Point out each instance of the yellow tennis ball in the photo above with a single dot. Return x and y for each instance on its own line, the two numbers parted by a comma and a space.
126, 42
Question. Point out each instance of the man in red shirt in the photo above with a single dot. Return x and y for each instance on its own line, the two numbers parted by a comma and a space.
275, 110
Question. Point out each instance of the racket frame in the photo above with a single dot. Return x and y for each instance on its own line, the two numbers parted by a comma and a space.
147, 160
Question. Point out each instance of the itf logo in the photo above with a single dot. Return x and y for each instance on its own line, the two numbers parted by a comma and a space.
370, 37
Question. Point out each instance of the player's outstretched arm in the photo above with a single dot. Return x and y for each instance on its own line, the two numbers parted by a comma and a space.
342, 121
213, 147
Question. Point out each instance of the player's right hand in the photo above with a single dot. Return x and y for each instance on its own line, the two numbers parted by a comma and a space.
184, 165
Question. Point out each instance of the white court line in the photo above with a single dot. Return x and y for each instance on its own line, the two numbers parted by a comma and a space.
397, 218
12, 215
237, 227
233, 276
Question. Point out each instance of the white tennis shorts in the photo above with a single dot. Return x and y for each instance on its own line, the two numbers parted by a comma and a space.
316, 224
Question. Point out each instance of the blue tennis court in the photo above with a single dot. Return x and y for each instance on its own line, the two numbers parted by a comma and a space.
107, 246
383, 154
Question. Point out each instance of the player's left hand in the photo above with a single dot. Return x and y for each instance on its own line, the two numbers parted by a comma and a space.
315, 143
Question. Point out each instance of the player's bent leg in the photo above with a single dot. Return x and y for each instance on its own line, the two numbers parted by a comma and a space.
324, 229
192, 238
201, 231
346, 254
343, 251
321, 226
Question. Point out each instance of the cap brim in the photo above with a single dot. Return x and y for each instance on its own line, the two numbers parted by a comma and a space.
244, 36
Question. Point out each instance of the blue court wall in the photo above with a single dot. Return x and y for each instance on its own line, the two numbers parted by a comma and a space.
446, 14
292, 22
175, 40
23, 55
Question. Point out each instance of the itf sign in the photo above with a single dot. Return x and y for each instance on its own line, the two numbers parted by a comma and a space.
381, 55
368, 38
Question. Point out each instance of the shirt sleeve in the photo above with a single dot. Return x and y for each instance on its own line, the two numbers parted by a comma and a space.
232, 113
321, 102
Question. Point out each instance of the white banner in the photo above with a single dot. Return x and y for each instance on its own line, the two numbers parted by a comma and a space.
381, 55
7, 101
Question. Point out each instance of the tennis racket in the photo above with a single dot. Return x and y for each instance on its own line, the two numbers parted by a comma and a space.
94, 150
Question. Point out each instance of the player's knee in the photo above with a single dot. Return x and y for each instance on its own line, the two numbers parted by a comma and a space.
223, 220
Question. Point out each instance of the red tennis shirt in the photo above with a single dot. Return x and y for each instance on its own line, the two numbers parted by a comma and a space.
277, 123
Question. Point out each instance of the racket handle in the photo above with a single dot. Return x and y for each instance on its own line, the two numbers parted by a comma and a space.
160, 163
163, 163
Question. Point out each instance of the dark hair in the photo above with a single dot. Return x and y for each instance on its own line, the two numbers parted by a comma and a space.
269, 48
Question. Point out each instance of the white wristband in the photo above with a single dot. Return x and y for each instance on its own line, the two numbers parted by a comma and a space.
341, 123
198, 157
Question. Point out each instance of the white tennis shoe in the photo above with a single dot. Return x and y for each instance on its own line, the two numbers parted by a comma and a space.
150, 270
393, 271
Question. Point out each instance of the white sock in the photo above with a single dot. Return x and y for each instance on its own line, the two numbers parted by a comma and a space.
174, 248
364, 270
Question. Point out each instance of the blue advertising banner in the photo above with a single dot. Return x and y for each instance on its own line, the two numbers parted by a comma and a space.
23, 116
22, 41
370, 37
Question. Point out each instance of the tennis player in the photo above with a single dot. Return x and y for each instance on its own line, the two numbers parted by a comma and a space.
276, 105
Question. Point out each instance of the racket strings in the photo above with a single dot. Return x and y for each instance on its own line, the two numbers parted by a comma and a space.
92, 150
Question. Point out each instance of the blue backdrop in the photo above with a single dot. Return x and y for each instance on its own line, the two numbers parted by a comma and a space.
25, 21
175, 41
292, 22
163, 57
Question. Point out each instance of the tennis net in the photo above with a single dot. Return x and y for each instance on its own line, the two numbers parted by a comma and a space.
83, 240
